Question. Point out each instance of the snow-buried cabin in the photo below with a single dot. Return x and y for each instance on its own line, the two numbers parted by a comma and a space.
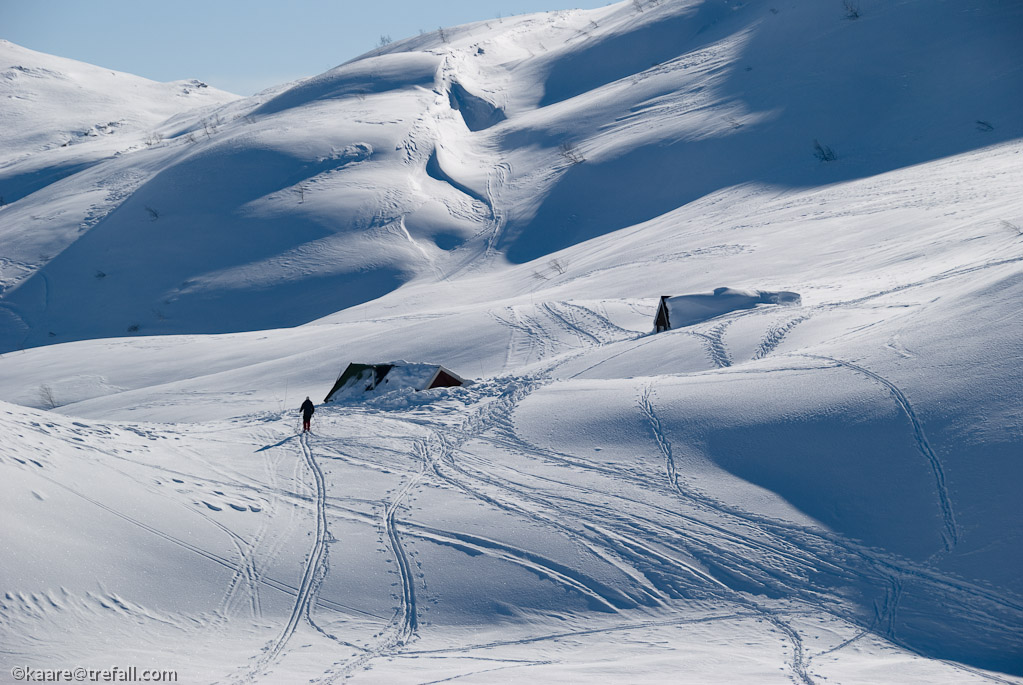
686, 310
362, 380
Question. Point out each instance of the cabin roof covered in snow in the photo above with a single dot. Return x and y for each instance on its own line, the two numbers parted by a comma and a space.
686, 310
362, 380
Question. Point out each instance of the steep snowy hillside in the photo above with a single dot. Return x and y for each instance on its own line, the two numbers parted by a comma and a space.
506, 140
60, 119
823, 489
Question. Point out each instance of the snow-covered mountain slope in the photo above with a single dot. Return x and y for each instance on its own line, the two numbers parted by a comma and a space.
508, 140
819, 492
60, 119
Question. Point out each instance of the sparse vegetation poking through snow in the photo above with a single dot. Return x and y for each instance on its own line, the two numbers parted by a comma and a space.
46, 397
1012, 227
823, 152
554, 266
852, 9
384, 40
210, 125
570, 152
153, 139
153, 214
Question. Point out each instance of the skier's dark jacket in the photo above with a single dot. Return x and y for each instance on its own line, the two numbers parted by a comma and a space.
307, 410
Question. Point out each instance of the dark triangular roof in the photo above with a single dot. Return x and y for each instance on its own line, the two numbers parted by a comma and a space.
370, 374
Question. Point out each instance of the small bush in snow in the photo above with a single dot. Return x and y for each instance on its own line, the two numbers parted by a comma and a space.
384, 40
210, 126
823, 152
569, 152
852, 9
153, 214
46, 397
1012, 227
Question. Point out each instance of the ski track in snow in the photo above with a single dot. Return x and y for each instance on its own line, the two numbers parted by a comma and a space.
715, 343
622, 536
846, 558
536, 336
530, 340
950, 533
799, 663
403, 627
776, 334
312, 575
699, 550
445, 466
937, 278
271, 582
565, 318
406, 621
497, 178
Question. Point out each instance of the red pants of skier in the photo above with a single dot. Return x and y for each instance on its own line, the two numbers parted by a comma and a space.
305, 424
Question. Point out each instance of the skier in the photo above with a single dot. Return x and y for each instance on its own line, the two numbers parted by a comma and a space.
307, 413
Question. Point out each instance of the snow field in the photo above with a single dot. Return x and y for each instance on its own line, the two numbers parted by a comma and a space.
824, 492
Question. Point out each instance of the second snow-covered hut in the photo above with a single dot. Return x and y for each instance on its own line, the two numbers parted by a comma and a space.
686, 310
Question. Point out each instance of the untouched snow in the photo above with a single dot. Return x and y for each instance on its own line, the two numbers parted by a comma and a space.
820, 492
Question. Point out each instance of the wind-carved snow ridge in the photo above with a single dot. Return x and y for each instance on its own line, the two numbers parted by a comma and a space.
478, 113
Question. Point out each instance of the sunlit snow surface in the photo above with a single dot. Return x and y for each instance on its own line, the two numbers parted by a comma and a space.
820, 492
